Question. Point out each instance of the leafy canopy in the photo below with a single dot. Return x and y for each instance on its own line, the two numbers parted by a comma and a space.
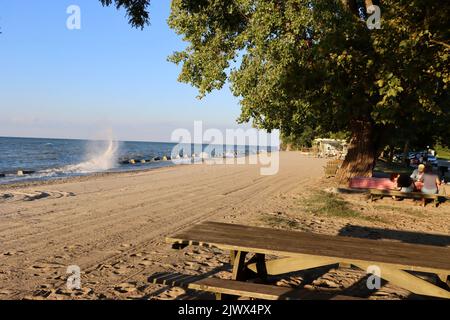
300, 64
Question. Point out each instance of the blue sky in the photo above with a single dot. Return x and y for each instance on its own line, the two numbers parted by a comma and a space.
56, 82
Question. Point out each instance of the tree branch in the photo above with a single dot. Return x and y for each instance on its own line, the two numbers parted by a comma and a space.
441, 43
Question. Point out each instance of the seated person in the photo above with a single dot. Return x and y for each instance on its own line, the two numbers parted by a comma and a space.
431, 181
418, 173
394, 176
402, 182
405, 183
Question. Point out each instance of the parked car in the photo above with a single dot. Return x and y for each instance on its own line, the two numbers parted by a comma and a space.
432, 160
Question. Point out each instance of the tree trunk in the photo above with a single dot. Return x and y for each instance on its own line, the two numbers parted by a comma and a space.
391, 154
361, 155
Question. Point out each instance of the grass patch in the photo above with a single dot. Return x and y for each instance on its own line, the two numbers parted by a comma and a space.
443, 153
394, 210
280, 221
331, 205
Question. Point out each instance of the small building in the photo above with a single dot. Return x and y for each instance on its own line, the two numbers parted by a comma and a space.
330, 147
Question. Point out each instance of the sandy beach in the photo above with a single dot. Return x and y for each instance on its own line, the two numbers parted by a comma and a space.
113, 226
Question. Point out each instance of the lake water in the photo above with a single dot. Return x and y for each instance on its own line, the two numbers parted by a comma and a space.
57, 158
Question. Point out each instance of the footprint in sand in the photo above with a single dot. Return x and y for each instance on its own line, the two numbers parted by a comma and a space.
102, 266
211, 263
145, 262
126, 287
45, 267
171, 293
136, 255
72, 247
13, 253
5, 292
6, 196
33, 195
119, 270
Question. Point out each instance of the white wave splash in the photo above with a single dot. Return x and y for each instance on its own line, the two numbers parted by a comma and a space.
103, 156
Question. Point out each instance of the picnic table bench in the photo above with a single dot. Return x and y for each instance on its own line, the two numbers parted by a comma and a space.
223, 287
379, 194
301, 251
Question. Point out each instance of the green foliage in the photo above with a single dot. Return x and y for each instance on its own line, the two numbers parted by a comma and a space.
137, 10
303, 140
299, 65
442, 152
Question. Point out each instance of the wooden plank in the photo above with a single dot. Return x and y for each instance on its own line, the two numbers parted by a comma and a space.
244, 289
291, 244
286, 265
232, 257
263, 291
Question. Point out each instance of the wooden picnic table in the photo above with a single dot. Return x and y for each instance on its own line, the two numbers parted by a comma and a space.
301, 251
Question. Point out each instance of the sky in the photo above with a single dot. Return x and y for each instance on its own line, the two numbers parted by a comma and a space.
62, 83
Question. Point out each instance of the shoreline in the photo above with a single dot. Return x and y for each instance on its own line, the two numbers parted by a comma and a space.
80, 178
95, 175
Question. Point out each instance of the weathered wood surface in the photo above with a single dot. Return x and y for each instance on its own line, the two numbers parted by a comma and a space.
405, 256
242, 289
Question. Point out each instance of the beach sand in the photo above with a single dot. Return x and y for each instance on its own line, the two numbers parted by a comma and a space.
113, 226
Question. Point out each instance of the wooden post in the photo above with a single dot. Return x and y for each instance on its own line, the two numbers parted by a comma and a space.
261, 268
239, 266
232, 256
345, 265
444, 278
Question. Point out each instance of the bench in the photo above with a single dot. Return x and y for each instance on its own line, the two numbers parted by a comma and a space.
379, 194
301, 250
224, 289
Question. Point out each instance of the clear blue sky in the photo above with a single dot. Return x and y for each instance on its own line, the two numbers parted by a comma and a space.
56, 82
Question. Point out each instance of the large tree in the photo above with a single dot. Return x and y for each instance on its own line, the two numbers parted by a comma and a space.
298, 64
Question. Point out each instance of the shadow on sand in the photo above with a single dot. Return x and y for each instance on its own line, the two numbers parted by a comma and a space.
400, 235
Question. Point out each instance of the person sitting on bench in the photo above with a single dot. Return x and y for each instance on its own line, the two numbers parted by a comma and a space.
403, 182
431, 181
417, 176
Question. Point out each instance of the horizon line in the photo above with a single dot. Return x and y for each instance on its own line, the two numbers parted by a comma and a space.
144, 141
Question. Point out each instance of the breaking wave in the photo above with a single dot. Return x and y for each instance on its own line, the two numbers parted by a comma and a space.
103, 156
